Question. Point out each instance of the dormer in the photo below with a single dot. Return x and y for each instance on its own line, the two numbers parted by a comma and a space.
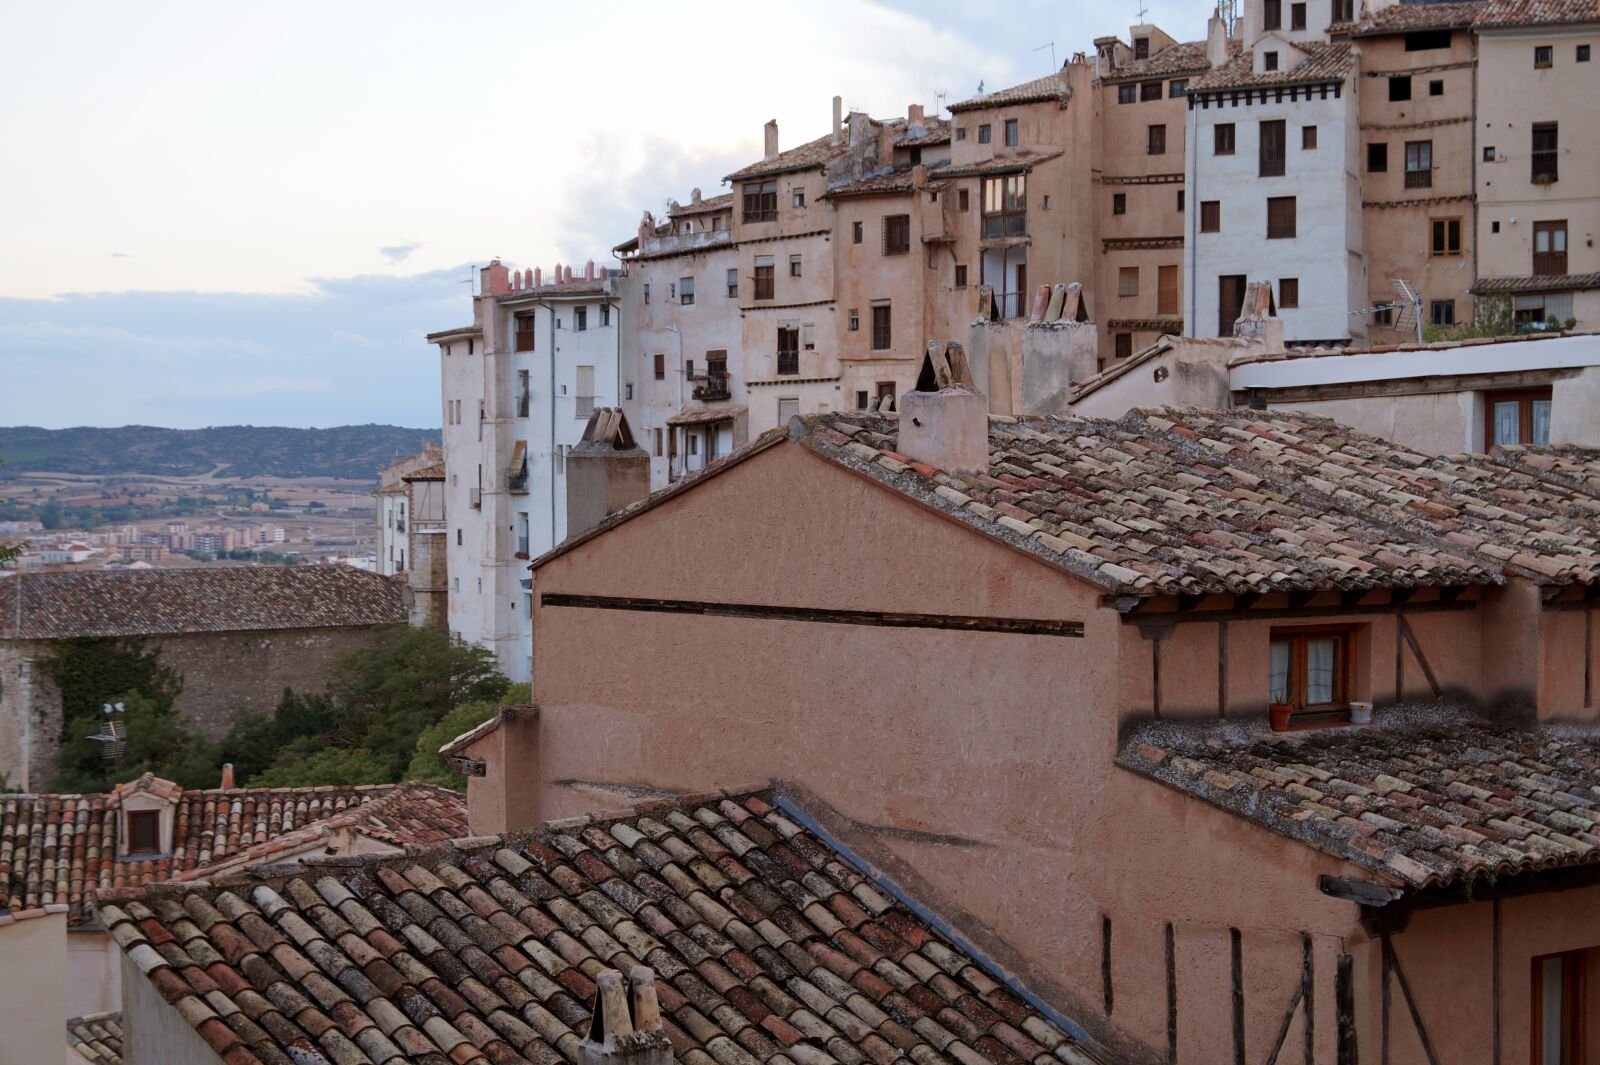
1275, 55
1149, 40
146, 812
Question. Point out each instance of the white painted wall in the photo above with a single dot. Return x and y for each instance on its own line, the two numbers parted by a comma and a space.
33, 984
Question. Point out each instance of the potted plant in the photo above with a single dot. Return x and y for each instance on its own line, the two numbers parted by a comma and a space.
1279, 714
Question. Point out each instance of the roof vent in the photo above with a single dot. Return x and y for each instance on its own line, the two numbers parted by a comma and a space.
626, 1028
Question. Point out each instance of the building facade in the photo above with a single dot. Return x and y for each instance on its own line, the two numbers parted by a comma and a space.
393, 508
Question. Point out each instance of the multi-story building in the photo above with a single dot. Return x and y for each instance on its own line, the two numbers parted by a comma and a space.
393, 506
1537, 158
517, 386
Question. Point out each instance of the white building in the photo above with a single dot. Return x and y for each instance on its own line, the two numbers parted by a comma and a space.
1273, 183
393, 504
518, 386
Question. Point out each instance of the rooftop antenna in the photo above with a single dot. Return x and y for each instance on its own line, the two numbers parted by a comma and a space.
939, 97
1407, 301
980, 86
1052, 46
1228, 11
471, 278
113, 734
1143, 11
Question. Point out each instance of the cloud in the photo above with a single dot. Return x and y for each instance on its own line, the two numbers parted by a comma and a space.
399, 253
120, 255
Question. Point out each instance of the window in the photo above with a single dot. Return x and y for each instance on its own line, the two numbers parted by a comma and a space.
144, 831
880, 327
524, 393
961, 133
787, 408
1297, 16
1550, 248
799, 199
885, 390
1543, 56
580, 319
1157, 140
1149, 90
766, 279
1288, 292
855, 320
524, 332
1128, 281
686, 291
1005, 206
1011, 133
788, 348
1269, 61
1166, 290
1280, 217
1222, 139
1342, 10
733, 283
794, 266
858, 230
1126, 94
1427, 40
605, 314
896, 234
1119, 203
1274, 137
1560, 996
760, 201
1436, 87
1445, 236
1442, 312
1180, 200
716, 365
585, 397
1308, 668
961, 275
1308, 138
1382, 314
1177, 87
1517, 417
458, 539
1124, 345
1211, 216
659, 369
1545, 152
1141, 48
658, 442
963, 200
983, 133
1272, 14
1583, 53
861, 399
1494, 227
1377, 158
647, 292
1400, 87
1419, 164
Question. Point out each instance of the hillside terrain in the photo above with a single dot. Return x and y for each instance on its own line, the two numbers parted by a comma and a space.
233, 451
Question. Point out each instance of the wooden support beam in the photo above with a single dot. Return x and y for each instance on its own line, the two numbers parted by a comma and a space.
1298, 600
1347, 1049
1452, 593
1393, 961
1416, 651
1430, 606
1189, 602
1105, 960
1238, 995
1308, 995
1352, 597
1172, 997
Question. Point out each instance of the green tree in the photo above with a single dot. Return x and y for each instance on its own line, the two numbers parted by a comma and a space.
157, 742
336, 765
427, 764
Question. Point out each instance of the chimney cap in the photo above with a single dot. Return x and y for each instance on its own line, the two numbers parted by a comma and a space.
623, 1027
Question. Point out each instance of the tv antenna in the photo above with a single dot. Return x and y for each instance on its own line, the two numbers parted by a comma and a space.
1052, 46
471, 278
113, 734
1228, 11
1408, 304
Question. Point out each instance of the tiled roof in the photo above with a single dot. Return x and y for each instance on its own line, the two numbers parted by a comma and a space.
1536, 12
1022, 159
934, 131
767, 947
892, 182
1429, 801
1186, 58
213, 599
1192, 502
1441, 345
1049, 87
810, 154
1535, 283
426, 473
578, 286
59, 849
1408, 18
97, 1037
1323, 62
1573, 467
705, 206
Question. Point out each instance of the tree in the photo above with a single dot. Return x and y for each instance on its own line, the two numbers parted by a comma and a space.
428, 765
335, 765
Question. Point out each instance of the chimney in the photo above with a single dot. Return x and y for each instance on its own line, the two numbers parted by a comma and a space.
501, 761
860, 127
1216, 40
606, 471
944, 421
495, 279
588, 270
1258, 317
914, 115
538, 277
694, 195
838, 119
227, 777
771, 139
624, 1029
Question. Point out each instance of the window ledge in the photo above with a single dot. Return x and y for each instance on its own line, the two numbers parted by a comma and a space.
1328, 717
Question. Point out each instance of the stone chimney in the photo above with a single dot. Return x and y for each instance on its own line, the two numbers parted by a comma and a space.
1216, 40
860, 127
838, 119
915, 115
626, 1029
227, 777
771, 139
606, 471
944, 421
495, 279
694, 195
1060, 347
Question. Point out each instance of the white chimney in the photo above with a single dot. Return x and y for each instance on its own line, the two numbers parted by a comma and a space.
772, 139
1216, 41
944, 421
838, 119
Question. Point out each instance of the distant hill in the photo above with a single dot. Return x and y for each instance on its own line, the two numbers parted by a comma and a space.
351, 451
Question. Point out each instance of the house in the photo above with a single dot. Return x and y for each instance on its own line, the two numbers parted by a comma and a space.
58, 962
288, 623
1032, 659
392, 506
748, 932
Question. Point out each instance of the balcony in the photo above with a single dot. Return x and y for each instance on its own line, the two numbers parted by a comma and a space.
713, 387
1419, 179
524, 401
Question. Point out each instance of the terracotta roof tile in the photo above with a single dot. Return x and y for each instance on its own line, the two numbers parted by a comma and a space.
97, 1037
1049, 87
1536, 12
808, 155
1409, 17
486, 950
59, 849
1427, 801
167, 601
1183, 501
1323, 62
1186, 58
1535, 283
705, 206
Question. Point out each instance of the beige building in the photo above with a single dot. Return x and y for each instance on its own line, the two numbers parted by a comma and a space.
1537, 159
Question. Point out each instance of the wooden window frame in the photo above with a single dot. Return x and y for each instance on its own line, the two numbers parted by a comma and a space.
1156, 140
524, 336
1420, 175
1167, 288
1224, 143
1003, 202
961, 275
765, 282
1127, 282
1211, 216
760, 200
1574, 988
1546, 161
659, 369
1524, 398
896, 234
1288, 293
789, 350
1013, 133
1377, 157
1149, 90
1344, 664
1280, 231
1269, 163
1123, 345
1440, 246
1127, 94
1297, 16
1308, 138
1551, 263
1119, 203
150, 818
882, 330
1544, 56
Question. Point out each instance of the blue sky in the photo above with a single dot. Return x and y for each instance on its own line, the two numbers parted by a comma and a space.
218, 213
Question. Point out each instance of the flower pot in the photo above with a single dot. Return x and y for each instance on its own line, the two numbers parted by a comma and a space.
1361, 713
1279, 714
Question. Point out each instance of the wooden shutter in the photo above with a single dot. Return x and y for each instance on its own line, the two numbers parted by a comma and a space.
1167, 290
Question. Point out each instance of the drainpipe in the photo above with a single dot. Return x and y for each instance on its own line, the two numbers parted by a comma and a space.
1473, 38
551, 315
1191, 209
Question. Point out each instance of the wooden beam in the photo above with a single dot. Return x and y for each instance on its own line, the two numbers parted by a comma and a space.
1416, 651
1238, 995
1347, 1050
1189, 602
1222, 669
1429, 606
1308, 995
1297, 600
1105, 960
1411, 1003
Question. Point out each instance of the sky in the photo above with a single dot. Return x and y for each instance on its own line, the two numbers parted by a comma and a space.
219, 213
